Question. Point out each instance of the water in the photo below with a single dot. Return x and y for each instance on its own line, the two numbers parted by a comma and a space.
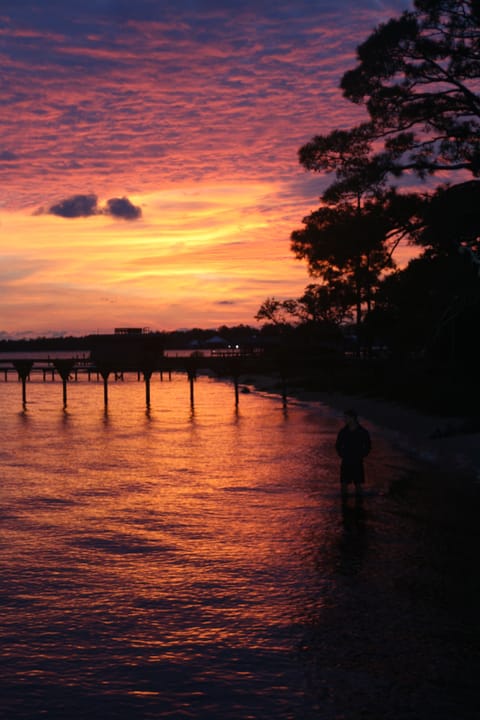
179, 563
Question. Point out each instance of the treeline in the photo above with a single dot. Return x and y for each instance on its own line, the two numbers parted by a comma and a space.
243, 335
407, 175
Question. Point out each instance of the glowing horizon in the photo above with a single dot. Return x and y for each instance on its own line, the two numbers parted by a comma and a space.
193, 114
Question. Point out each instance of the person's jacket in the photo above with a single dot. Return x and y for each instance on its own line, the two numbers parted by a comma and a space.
353, 445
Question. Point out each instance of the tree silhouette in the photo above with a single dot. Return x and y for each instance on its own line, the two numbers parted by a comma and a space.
328, 303
320, 304
450, 221
350, 245
417, 77
277, 312
430, 309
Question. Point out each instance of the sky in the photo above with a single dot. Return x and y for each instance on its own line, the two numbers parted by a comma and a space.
149, 166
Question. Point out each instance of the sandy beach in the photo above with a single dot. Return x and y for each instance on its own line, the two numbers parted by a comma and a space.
440, 440
435, 439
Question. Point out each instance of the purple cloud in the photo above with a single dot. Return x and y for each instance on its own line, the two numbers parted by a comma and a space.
75, 206
123, 208
78, 206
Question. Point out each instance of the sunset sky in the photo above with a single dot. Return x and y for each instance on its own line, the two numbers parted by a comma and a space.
148, 155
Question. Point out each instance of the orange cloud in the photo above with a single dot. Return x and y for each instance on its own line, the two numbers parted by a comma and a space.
203, 255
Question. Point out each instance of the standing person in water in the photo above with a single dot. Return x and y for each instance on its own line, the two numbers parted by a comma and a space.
353, 445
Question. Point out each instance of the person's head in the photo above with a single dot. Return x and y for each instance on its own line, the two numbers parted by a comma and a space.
351, 417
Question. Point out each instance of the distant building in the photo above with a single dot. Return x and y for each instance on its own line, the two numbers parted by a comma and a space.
131, 331
216, 342
128, 349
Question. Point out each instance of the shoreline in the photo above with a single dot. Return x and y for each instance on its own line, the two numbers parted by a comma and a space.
437, 440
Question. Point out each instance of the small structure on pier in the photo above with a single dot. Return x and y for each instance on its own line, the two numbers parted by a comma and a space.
127, 349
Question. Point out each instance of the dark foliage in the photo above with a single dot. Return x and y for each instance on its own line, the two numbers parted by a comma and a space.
418, 78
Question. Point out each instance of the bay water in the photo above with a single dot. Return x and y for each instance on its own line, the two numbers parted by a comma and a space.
171, 561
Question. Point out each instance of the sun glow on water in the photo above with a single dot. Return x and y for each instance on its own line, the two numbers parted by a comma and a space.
163, 541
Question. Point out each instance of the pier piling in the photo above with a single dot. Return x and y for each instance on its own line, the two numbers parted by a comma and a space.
64, 368
191, 378
23, 368
147, 374
104, 370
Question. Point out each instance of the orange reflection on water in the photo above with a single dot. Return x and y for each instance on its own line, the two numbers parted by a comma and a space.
166, 545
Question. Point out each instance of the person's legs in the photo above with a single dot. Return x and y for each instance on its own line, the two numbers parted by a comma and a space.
358, 476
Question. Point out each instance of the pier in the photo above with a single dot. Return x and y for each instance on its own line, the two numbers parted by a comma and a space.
105, 366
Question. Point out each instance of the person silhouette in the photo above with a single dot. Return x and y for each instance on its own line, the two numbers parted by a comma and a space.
352, 445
